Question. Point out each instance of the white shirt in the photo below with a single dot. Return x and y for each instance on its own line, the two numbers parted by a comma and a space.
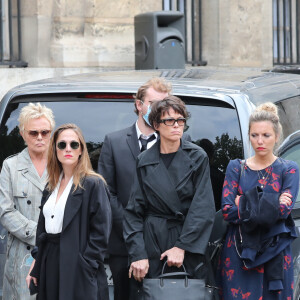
139, 134
54, 211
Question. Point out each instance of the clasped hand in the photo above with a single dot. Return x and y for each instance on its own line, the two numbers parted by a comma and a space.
284, 199
139, 269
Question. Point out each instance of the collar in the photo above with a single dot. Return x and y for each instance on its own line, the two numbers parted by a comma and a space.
139, 133
24, 160
152, 155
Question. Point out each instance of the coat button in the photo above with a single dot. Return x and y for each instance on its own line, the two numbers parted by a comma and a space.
28, 202
28, 247
27, 232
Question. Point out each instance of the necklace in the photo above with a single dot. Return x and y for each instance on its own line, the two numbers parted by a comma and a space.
263, 178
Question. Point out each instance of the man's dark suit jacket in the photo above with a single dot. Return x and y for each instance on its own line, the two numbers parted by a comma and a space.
117, 163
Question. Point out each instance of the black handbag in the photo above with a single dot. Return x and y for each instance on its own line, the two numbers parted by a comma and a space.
175, 286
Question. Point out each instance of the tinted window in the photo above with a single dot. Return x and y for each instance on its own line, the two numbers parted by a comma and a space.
289, 110
293, 153
214, 128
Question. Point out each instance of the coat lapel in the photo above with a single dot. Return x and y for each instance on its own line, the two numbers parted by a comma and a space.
72, 206
158, 178
165, 182
181, 167
28, 170
132, 142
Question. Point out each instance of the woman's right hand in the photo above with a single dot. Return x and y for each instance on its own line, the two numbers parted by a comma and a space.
237, 200
29, 278
139, 269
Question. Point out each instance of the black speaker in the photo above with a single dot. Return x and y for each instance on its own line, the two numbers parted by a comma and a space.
159, 40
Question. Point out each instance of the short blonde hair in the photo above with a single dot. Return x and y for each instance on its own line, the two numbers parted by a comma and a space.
159, 84
35, 111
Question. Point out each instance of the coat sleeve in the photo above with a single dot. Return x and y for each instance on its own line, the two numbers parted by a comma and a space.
99, 224
290, 184
231, 189
11, 219
198, 222
106, 167
134, 222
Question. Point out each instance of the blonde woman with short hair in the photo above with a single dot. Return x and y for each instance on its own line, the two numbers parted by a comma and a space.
22, 180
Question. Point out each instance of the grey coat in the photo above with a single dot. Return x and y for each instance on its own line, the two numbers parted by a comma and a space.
20, 197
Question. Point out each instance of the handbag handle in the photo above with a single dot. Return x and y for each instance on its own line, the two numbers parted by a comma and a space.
164, 266
173, 274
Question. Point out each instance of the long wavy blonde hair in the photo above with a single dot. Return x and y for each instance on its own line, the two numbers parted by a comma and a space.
54, 167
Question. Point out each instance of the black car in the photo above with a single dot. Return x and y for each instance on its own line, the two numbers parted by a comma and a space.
220, 103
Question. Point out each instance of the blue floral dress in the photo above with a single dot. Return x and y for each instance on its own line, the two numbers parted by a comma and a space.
235, 280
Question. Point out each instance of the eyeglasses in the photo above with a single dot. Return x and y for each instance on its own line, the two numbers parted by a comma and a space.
36, 133
172, 121
62, 145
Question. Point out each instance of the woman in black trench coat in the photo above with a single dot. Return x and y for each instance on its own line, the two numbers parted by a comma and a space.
171, 209
74, 224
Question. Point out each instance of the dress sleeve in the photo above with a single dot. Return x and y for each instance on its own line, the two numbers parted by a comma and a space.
230, 190
290, 184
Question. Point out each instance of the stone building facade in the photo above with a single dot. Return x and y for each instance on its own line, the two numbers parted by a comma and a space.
100, 33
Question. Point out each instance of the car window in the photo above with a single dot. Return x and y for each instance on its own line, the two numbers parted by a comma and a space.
289, 115
293, 153
215, 128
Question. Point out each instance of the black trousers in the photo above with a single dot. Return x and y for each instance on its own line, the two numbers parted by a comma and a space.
49, 277
124, 288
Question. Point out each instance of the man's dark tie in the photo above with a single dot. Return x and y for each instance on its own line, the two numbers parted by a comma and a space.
144, 142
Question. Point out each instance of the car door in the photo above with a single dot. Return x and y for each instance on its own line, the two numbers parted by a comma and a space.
290, 150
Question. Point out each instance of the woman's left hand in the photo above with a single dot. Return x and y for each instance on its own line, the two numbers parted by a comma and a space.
285, 199
175, 257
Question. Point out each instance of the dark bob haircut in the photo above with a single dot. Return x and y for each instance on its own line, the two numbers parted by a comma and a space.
159, 108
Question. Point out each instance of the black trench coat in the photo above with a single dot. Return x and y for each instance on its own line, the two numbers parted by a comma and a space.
83, 242
170, 207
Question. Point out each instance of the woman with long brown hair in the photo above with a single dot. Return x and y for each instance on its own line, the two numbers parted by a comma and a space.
74, 223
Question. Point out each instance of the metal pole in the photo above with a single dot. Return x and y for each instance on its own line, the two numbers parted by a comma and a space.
193, 32
1, 34
284, 31
185, 31
200, 30
297, 32
291, 35
278, 33
19, 31
10, 31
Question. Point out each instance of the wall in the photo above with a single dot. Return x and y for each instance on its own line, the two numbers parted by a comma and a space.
91, 33
237, 33
71, 33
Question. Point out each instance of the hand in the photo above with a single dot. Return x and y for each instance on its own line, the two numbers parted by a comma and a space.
29, 278
139, 269
285, 199
237, 200
175, 257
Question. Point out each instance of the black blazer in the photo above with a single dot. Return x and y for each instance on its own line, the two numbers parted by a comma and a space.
83, 242
117, 163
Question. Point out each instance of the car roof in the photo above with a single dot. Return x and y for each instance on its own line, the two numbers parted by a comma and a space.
257, 85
